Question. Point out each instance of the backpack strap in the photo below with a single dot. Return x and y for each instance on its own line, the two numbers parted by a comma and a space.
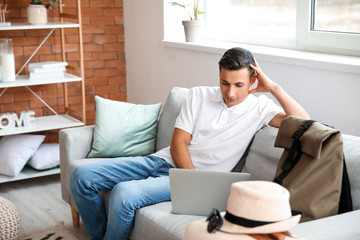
345, 203
292, 159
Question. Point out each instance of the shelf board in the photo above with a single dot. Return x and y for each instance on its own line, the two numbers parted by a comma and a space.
49, 25
29, 172
23, 80
45, 123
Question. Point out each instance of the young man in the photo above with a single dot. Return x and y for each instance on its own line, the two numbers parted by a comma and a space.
212, 131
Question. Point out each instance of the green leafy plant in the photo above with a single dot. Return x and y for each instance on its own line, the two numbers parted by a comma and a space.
194, 12
51, 3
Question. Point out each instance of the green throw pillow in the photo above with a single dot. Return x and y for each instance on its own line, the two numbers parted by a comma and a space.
124, 129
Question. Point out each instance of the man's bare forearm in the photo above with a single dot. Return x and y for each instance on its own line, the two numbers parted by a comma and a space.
179, 149
181, 157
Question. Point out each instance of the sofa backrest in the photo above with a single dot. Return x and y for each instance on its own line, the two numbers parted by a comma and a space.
262, 159
168, 116
352, 158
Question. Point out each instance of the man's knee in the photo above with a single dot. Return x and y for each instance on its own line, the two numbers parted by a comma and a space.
77, 180
126, 194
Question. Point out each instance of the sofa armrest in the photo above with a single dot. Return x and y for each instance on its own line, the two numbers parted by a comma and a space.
75, 143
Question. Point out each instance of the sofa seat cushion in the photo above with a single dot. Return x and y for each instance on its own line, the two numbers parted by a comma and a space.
343, 226
156, 222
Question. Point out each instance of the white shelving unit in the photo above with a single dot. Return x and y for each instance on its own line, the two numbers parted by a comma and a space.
29, 172
23, 80
45, 123
55, 121
49, 25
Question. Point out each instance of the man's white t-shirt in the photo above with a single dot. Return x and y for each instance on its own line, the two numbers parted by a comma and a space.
220, 134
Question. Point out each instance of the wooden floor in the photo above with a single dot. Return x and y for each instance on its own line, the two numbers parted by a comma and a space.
40, 204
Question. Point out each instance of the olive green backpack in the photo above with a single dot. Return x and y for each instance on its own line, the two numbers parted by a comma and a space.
312, 167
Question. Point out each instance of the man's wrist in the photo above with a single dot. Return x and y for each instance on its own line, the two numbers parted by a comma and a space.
275, 90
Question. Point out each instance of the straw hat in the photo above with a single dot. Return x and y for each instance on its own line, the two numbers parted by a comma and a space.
254, 207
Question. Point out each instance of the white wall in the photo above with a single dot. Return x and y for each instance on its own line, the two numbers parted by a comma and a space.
330, 96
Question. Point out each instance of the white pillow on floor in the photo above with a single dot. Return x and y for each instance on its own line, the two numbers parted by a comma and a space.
16, 150
46, 156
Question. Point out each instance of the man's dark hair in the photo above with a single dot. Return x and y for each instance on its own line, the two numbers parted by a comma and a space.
237, 58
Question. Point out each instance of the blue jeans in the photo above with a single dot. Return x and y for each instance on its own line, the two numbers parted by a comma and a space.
134, 182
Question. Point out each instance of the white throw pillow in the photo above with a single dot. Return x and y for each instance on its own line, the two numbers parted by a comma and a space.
46, 156
16, 150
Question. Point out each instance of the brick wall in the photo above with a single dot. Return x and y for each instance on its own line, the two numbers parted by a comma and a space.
105, 72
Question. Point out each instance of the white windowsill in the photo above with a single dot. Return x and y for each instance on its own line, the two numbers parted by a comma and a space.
343, 63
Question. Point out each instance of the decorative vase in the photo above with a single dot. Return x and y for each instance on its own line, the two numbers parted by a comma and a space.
193, 30
36, 14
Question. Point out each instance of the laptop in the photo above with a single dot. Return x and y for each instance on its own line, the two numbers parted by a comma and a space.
196, 192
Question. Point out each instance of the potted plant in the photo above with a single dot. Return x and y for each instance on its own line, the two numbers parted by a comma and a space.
193, 27
36, 11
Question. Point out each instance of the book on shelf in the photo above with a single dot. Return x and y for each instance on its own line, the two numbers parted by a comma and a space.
46, 75
47, 70
49, 64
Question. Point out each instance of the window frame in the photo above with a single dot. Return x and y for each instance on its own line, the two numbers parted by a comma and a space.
331, 42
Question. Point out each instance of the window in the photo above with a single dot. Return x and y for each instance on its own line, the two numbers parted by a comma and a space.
336, 16
264, 22
319, 25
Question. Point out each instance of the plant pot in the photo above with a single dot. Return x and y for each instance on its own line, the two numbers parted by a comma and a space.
36, 14
193, 30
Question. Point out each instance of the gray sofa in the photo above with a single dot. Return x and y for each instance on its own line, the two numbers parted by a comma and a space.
157, 221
